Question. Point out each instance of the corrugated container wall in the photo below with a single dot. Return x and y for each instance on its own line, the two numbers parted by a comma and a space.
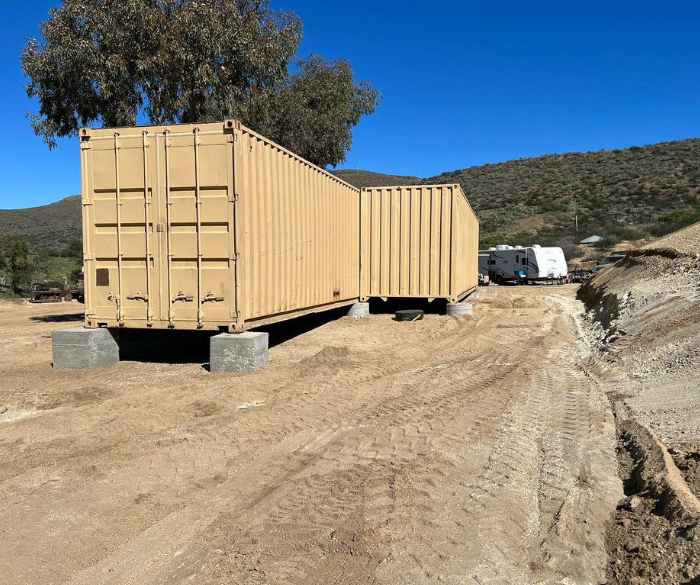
211, 226
418, 241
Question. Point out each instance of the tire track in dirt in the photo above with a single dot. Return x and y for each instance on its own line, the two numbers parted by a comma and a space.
554, 534
404, 433
446, 451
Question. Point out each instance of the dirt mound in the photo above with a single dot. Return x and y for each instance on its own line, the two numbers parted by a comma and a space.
651, 299
685, 241
328, 355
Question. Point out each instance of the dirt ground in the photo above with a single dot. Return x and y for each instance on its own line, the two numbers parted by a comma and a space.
471, 450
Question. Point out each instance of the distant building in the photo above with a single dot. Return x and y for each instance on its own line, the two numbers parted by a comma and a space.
591, 240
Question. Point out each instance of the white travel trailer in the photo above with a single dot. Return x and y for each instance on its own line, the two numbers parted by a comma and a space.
508, 263
483, 263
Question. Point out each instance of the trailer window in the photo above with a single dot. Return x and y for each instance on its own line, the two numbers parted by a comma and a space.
524, 261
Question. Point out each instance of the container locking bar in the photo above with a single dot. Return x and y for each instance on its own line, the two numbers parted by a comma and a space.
168, 239
147, 220
198, 219
120, 309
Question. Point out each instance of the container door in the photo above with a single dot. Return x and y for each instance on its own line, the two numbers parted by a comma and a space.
198, 197
118, 194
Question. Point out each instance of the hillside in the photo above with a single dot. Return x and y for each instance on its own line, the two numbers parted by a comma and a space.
369, 179
629, 194
619, 194
638, 192
52, 226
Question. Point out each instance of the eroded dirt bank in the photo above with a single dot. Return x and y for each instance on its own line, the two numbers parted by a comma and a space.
470, 450
645, 321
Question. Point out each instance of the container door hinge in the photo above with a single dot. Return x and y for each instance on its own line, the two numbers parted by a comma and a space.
234, 197
85, 135
87, 202
231, 126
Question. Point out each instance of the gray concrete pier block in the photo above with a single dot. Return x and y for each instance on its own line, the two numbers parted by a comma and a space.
359, 310
457, 309
81, 348
238, 352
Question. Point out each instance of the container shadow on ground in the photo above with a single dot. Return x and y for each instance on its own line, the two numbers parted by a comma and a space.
67, 318
192, 347
389, 307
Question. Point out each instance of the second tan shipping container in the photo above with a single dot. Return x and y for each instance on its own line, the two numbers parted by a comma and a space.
418, 241
211, 226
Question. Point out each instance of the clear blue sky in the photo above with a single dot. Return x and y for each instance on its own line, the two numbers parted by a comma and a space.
464, 82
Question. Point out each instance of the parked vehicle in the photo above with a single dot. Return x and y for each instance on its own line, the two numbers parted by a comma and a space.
483, 263
611, 260
579, 275
77, 291
526, 265
43, 293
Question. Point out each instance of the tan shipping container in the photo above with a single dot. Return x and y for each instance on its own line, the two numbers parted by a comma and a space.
418, 241
211, 226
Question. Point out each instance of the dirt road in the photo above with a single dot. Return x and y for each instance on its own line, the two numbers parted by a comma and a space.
470, 450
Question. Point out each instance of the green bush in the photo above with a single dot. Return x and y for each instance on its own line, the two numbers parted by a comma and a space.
673, 221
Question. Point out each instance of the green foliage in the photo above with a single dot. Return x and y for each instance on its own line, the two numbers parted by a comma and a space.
675, 220
42, 261
617, 194
106, 61
315, 111
75, 274
74, 250
15, 251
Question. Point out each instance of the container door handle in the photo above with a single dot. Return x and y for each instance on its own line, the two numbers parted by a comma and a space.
138, 297
211, 298
181, 296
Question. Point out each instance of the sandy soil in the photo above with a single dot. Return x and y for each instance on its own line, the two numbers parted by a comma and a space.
471, 450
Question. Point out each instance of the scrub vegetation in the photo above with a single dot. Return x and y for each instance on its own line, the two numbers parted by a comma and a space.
20, 265
630, 194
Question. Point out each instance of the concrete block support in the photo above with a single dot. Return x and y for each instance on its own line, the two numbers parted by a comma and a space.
81, 348
238, 352
457, 309
359, 310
